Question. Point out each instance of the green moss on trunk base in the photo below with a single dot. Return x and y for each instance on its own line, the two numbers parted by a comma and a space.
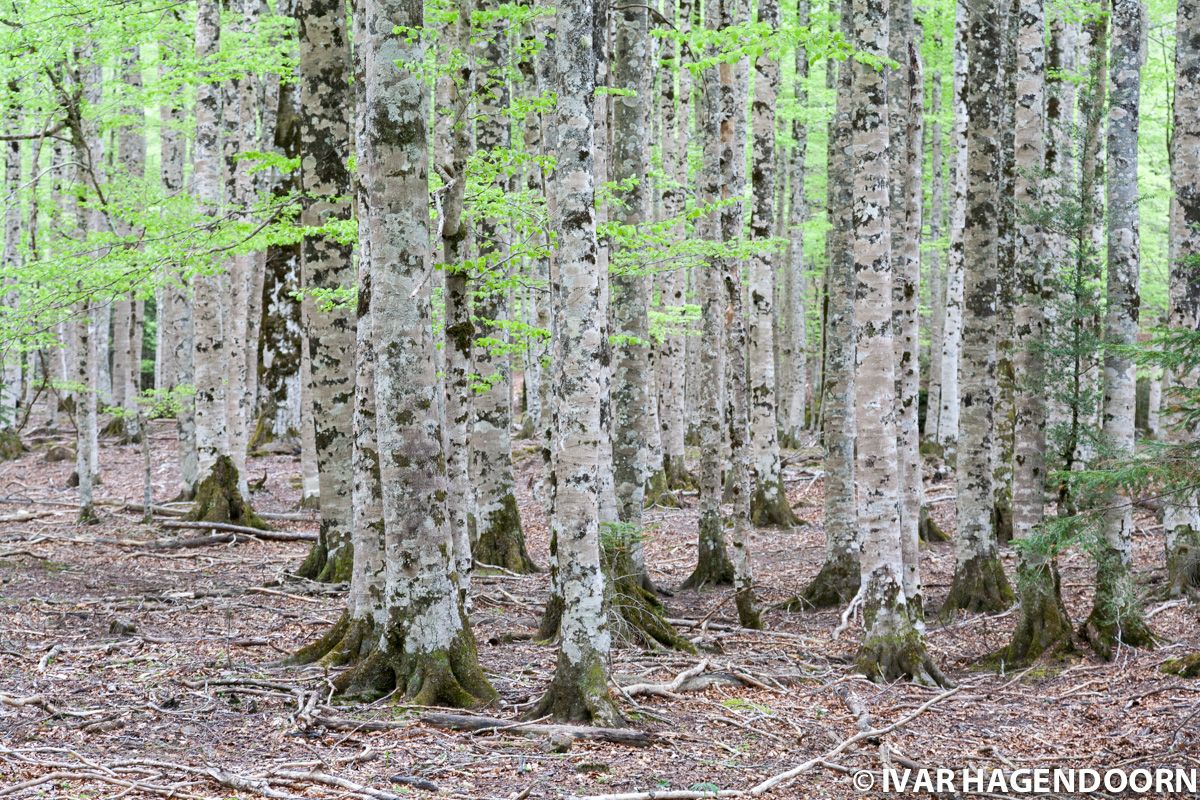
713, 567
635, 615
773, 510
218, 498
579, 694
11, 446
980, 586
347, 642
1183, 562
898, 656
450, 677
1044, 629
319, 566
659, 493
928, 530
678, 477
833, 587
1117, 617
747, 608
1185, 667
502, 544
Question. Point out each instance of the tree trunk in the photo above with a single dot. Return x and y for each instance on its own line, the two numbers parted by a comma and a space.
1044, 626
906, 115
712, 562
937, 274
579, 690
946, 434
631, 376
838, 579
427, 650
1181, 513
1117, 616
327, 265
497, 537
769, 503
892, 646
979, 580
793, 352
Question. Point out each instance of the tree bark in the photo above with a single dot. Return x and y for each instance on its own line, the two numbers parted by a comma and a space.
327, 265
979, 580
427, 650
579, 690
1117, 616
1044, 626
1181, 513
892, 646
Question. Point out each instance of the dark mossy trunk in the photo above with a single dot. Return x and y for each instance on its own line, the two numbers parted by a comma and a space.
980, 586
898, 655
450, 677
11, 446
502, 544
772, 509
1183, 562
833, 587
327, 561
1043, 629
635, 615
218, 498
713, 567
928, 530
1117, 616
1002, 517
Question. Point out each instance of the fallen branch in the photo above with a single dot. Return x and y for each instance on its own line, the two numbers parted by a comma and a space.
665, 689
470, 722
277, 536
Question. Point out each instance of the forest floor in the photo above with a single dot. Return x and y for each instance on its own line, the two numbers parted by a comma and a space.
129, 670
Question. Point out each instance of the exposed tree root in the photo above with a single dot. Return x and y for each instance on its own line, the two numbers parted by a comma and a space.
502, 544
713, 567
347, 642
980, 586
635, 615
834, 585
218, 498
928, 530
1117, 616
1044, 629
450, 677
1183, 562
470, 722
898, 655
772, 509
579, 694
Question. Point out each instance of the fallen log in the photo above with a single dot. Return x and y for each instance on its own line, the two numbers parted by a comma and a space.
276, 536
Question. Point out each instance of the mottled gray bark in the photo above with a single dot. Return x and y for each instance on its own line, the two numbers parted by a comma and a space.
426, 650
327, 265
1117, 615
979, 580
892, 646
1181, 514
579, 691
769, 503
497, 537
